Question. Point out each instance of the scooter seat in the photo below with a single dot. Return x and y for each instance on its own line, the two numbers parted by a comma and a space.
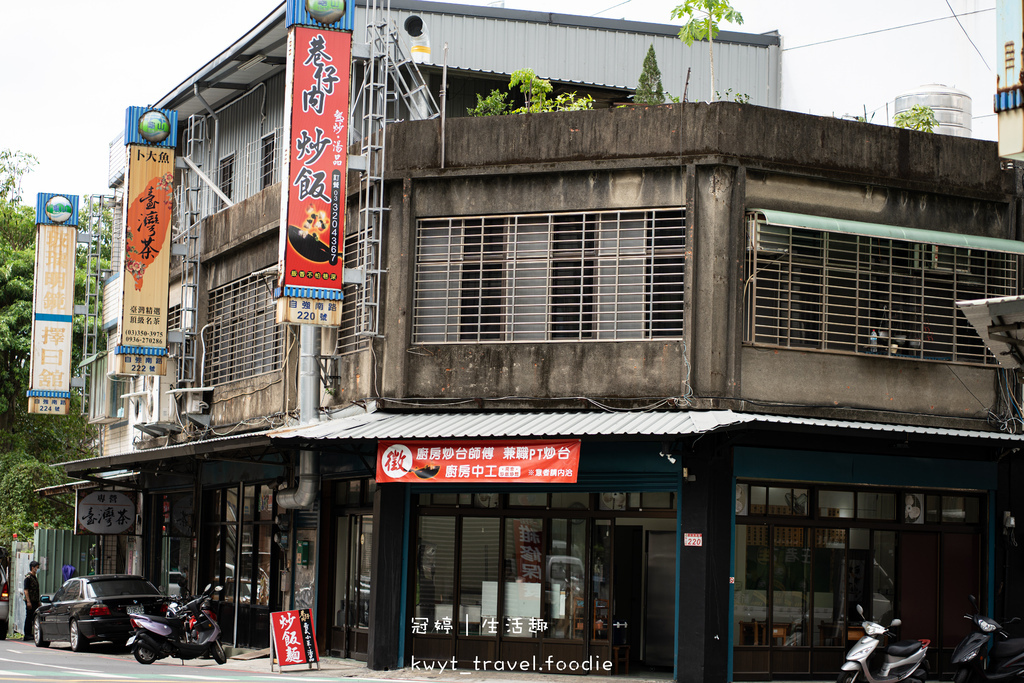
1007, 648
904, 648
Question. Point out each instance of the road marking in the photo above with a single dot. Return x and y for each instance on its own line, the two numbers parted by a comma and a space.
198, 678
56, 666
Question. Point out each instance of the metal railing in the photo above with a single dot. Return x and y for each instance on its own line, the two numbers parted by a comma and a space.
608, 275
841, 292
244, 340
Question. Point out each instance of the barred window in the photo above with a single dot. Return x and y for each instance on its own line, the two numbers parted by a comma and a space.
843, 292
244, 340
608, 275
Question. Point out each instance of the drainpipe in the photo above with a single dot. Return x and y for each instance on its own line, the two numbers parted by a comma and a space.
304, 493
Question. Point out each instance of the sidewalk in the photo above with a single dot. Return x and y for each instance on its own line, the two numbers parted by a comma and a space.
335, 667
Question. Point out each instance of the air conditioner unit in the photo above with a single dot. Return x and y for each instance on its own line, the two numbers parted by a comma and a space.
159, 414
105, 402
764, 237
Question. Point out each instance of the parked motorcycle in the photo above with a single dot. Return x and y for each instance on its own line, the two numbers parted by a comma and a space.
903, 660
188, 631
1005, 660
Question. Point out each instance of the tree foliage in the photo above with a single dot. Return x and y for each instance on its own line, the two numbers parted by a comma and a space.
919, 117
703, 18
536, 94
648, 88
29, 444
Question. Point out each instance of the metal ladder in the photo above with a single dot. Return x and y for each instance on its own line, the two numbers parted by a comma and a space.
95, 275
190, 218
389, 76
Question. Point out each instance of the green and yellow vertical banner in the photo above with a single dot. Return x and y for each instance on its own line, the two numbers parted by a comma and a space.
150, 136
53, 304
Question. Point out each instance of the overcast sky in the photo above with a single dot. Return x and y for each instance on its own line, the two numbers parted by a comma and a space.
67, 73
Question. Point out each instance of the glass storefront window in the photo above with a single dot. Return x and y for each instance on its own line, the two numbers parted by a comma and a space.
435, 569
787, 501
600, 577
478, 588
656, 500
248, 502
524, 562
835, 504
564, 580
753, 577
611, 501
828, 620
522, 500
570, 501
883, 576
960, 509
872, 505
790, 584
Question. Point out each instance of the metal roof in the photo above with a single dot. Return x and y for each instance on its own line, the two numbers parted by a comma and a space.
561, 47
392, 426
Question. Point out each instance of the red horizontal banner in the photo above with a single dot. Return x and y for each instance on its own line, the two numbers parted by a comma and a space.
494, 462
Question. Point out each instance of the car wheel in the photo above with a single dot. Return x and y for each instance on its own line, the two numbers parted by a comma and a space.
218, 652
3, 630
143, 654
37, 634
78, 641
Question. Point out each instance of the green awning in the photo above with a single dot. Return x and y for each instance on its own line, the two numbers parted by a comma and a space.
801, 220
92, 359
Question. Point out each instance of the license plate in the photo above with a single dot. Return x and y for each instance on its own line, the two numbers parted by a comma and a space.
133, 609
130, 641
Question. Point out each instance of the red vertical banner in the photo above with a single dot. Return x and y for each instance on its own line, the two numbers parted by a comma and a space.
313, 194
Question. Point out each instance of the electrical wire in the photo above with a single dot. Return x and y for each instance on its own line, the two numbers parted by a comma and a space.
891, 28
951, 11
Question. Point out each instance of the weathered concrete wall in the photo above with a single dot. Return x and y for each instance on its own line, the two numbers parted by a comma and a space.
848, 151
718, 161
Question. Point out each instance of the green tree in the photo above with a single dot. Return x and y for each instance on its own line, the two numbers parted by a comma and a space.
29, 444
703, 18
648, 88
919, 117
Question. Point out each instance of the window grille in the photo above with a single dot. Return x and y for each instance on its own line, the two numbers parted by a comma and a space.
609, 275
268, 169
244, 339
227, 177
842, 292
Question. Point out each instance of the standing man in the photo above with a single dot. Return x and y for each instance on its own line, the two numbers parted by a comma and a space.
31, 592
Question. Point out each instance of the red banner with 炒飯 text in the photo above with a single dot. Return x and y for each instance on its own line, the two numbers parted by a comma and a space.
495, 461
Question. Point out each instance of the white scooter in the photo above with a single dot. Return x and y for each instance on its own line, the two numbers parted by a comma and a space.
903, 660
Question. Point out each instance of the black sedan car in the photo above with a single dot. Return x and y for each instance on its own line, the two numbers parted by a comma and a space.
91, 608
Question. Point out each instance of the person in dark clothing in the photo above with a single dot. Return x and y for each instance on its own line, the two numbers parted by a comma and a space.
31, 591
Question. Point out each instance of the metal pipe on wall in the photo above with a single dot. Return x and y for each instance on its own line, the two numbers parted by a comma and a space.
305, 491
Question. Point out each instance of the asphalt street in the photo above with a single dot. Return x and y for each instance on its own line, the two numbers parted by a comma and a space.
104, 663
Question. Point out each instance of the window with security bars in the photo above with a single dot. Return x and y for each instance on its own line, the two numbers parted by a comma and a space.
843, 292
603, 275
244, 340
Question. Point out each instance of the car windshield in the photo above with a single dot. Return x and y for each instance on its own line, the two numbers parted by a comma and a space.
113, 587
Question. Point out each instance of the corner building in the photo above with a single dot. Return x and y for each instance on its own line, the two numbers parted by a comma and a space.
747, 319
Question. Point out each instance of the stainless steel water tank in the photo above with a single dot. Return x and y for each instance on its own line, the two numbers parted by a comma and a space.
952, 107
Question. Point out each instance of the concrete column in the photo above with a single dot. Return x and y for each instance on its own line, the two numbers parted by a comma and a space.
715, 212
386, 586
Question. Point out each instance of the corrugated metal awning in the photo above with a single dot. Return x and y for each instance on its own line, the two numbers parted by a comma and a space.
800, 220
392, 426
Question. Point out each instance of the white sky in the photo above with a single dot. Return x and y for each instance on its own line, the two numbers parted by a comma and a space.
65, 83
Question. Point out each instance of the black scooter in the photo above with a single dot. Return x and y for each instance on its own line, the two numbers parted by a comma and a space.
187, 632
1004, 661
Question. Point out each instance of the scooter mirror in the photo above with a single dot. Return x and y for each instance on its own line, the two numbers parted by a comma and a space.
860, 611
974, 602
895, 623
207, 589
218, 589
